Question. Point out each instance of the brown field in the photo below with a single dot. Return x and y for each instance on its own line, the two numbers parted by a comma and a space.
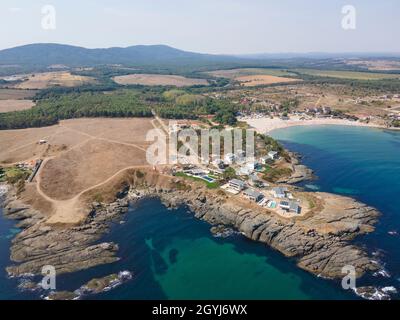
80, 155
15, 105
52, 79
260, 80
241, 72
158, 80
14, 94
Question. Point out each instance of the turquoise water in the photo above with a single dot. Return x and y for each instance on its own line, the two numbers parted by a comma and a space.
173, 255
362, 163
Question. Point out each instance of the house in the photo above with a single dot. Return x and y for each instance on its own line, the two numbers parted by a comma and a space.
218, 163
273, 155
237, 185
230, 158
253, 195
265, 160
291, 206
294, 207
279, 192
254, 181
195, 172
248, 168
285, 205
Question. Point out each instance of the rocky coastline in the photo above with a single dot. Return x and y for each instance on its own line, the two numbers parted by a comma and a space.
320, 243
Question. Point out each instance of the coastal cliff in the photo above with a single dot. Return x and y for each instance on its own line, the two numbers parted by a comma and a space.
319, 242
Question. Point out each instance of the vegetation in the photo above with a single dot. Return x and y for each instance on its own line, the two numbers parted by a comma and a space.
229, 174
13, 175
274, 174
77, 105
210, 185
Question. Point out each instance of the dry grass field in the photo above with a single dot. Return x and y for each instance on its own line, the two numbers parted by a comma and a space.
52, 79
241, 72
260, 80
158, 80
15, 94
79, 155
252, 77
15, 105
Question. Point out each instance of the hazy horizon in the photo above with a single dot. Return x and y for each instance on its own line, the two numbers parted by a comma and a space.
232, 27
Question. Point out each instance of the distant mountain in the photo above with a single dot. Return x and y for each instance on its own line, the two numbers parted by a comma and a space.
72, 56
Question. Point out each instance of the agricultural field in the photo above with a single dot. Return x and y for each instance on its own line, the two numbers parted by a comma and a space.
260, 80
352, 75
158, 80
242, 72
15, 105
252, 77
52, 79
14, 94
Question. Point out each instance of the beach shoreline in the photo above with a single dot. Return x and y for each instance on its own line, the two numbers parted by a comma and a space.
266, 125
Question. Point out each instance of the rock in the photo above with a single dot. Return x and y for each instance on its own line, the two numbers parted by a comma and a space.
62, 295
28, 285
372, 293
106, 283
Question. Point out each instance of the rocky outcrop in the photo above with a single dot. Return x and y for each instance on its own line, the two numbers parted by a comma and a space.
299, 172
67, 249
319, 242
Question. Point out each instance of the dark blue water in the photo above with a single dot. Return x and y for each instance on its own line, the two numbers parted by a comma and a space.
363, 163
173, 256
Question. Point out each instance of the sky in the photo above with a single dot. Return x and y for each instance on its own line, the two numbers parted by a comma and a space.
206, 26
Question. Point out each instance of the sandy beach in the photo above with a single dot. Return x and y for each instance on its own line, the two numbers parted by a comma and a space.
266, 124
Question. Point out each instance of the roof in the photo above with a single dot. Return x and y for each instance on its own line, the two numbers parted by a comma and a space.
273, 152
253, 193
238, 182
294, 206
254, 177
280, 190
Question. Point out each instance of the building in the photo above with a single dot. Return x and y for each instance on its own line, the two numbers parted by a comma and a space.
279, 192
265, 160
237, 185
196, 172
254, 181
291, 206
230, 158
218, 163
253, 195
273, 155
247, 169
294, 207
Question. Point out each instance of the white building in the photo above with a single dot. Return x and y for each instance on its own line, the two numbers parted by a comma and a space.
237, 185
230, 158
279, 192
273, 155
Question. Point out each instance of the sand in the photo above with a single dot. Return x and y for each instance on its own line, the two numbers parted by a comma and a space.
266, 124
